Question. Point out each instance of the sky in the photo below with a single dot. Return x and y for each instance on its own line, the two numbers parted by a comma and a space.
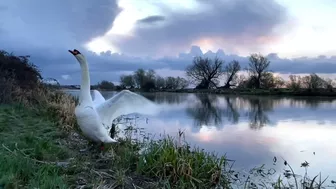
120, 36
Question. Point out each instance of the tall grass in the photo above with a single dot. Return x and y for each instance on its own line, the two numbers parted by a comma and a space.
181, 167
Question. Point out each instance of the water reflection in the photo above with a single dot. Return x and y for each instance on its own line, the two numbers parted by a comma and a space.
204, 110
253, 129
166, 98
258, 112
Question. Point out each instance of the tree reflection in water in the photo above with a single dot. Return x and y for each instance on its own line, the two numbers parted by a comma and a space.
166, 97
212, 110
257, 113
206, 111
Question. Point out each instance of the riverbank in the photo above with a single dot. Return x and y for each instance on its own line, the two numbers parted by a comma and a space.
37, 153
260, 92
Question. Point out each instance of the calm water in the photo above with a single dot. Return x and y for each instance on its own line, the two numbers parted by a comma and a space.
251, 129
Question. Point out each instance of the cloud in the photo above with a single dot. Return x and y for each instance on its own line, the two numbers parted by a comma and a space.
110, 66
151, 19
46, 30
66, 77
54, 24
243, 24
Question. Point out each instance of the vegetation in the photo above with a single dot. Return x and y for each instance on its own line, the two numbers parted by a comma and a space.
41, 146
206, 74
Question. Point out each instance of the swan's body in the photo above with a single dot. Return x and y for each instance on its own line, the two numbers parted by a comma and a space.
95, 117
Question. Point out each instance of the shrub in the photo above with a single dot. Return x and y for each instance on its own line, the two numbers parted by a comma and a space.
21, 83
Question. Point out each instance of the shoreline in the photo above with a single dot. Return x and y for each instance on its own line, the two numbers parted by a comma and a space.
262, 92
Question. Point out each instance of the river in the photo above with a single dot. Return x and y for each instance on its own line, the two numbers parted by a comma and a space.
251, 129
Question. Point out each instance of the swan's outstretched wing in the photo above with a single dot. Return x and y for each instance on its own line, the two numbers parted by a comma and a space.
123, 103
97, 98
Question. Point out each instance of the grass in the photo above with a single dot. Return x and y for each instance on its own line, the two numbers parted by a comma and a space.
29, 149
180, 167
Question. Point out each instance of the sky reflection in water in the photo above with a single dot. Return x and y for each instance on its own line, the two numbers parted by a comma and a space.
252, 130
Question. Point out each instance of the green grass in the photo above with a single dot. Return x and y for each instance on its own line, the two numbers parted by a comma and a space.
180, 166
29, 150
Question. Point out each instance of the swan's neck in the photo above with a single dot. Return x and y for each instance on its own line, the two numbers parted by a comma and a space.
85, 95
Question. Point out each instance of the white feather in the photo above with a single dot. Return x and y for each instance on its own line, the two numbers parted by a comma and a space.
97, 98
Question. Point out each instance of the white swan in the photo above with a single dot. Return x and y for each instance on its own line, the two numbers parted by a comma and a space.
95, 117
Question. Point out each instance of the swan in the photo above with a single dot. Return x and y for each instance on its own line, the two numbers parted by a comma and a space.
95, 116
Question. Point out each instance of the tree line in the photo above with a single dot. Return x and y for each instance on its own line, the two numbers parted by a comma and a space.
206, 73
145, 80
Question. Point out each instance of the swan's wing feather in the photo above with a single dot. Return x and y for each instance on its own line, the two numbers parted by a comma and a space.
97, 98
123, 103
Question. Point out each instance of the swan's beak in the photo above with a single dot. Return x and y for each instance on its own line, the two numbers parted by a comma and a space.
74, 52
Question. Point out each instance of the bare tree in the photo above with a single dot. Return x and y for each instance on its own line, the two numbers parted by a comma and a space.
150, 75
294, 82
269, 80
330, 83
140, 77
313, 82
205, 71
160, 82
231, 71
127, 81
257, 66
182, 82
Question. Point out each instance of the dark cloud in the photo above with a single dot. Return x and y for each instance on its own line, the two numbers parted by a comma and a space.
110, 66
239, 23
55, 24
151, 19
46, 30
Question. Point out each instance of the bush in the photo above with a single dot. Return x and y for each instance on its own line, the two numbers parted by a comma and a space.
21, 83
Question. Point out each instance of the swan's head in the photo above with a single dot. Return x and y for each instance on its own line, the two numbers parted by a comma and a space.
78, 55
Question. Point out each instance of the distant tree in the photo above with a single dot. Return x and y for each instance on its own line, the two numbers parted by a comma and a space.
106, 85
313, 82
205, 71
150, 75
257, 67
140, 77
294, 82
241, 81
127, 81
182, 82
269, 80
171, 83
231, 71
330, 83
279, 82
160, 82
